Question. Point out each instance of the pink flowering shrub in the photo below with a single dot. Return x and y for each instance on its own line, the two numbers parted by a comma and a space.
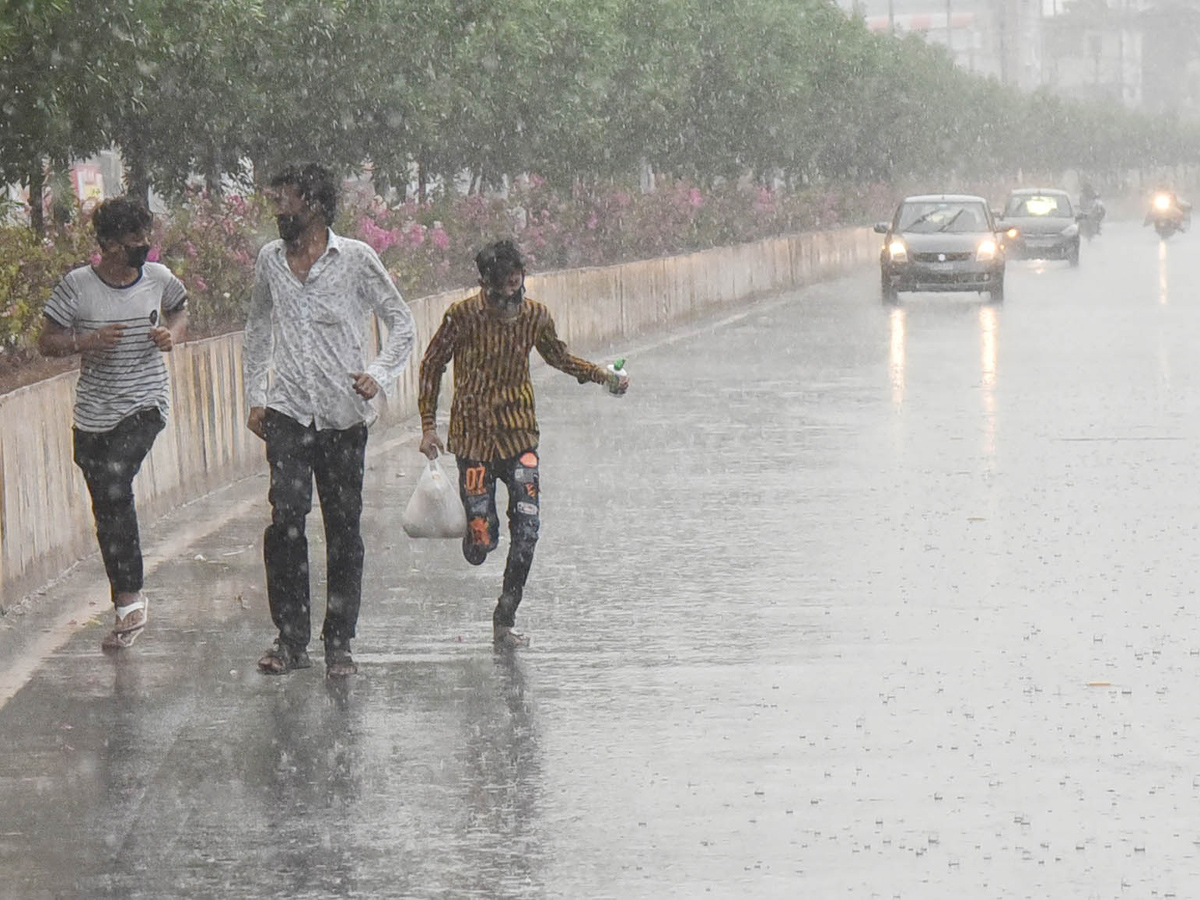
29, 268
211, 243
430, 247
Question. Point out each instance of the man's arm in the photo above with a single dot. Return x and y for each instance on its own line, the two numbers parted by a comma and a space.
58, 340
437, 356
554, 352
55, 340
391, 309
172, 331
258, 342
59, 336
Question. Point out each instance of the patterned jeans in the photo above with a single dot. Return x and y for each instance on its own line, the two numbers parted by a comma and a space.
477, 487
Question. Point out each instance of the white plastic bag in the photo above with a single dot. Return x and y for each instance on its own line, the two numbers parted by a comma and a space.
435, 510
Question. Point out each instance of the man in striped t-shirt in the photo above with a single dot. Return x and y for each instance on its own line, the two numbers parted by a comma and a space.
122, 314
493, 429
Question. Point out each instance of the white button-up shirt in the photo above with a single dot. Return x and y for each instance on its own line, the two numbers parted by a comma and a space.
312, 334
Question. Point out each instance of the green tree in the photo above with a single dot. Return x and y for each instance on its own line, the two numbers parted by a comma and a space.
50, 86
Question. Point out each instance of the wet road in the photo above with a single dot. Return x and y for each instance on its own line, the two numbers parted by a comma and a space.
841, 600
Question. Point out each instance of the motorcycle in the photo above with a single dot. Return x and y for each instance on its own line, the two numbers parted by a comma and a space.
1168, 214
1091, 214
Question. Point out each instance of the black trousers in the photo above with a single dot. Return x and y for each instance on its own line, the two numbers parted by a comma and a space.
109, 460
477, 487
295, 454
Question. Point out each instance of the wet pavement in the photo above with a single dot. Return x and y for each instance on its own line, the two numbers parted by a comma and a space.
841, 600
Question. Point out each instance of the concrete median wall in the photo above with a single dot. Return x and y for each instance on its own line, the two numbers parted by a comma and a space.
45, 519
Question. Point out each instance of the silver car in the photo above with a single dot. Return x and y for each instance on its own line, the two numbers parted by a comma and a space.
1040, 224
941, 242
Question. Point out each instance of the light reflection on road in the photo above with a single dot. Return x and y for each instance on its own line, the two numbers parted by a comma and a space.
988, 343
896, 353
1162, 273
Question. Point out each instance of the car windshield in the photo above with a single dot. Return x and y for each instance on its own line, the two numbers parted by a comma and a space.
950, 216
1048, 206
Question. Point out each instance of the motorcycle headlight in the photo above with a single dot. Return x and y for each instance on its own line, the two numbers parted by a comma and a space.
986, 251
1162, 202
1011, 233
898, 251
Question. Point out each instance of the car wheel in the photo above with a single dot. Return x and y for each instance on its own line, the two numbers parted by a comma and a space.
887, 290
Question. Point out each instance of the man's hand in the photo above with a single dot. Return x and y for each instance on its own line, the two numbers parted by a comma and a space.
102, 338
431, 444
256, 421
366, 386
618, 382
163, 338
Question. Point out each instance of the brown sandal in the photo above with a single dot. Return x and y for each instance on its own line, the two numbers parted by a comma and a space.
281, 658
340, 664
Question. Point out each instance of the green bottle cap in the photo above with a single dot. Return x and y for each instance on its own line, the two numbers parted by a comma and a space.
619, 364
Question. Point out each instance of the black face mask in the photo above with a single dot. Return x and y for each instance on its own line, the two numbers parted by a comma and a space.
507, 301
135, 257
290, 226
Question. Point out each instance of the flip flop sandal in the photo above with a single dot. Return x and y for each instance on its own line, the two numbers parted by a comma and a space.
130, 623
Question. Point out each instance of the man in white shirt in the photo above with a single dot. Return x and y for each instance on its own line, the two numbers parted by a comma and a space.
122, 314
313, 291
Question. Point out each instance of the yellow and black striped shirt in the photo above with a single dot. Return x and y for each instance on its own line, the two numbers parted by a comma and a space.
492, 414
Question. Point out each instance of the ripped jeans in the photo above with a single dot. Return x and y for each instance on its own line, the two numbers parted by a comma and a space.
477, 487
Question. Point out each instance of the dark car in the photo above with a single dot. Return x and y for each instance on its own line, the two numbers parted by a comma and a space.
941, 242
1040, 224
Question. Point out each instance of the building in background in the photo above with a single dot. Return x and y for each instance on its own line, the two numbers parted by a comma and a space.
1095, 50
1142, 54
1000, 38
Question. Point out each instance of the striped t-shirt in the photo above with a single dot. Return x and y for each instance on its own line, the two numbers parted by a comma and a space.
492, 414
131, 376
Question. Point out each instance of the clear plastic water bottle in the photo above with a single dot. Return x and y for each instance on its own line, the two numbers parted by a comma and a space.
616, 367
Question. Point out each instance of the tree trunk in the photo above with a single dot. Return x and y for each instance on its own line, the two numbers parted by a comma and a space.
213, 172
137, 179
422, 181
381, 183
37, 189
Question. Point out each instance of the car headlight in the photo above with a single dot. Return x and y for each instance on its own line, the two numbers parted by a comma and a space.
1071, 230
1011, 233
898, 252
986, 251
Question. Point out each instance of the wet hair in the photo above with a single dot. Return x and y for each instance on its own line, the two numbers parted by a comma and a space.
498, 259
315, 185
115, 218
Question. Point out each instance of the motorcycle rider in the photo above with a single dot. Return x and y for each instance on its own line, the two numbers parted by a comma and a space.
1167, 205
1091, 210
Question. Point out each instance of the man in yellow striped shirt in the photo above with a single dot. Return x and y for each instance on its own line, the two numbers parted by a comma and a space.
493, 428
